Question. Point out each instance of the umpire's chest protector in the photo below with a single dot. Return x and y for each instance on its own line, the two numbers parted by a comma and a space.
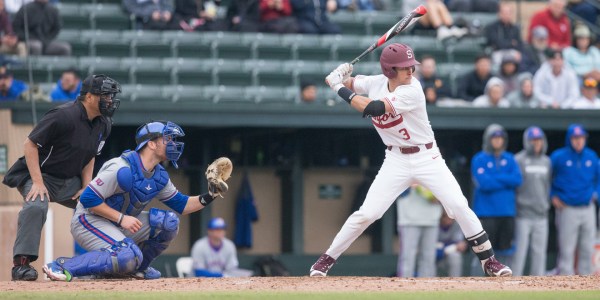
138, 190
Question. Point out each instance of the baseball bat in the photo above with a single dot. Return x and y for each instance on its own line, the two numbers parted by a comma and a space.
404, 23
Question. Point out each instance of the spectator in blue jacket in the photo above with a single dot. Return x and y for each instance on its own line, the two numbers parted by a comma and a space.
67, 87
496, 176
574, 181
10, 88
312, 16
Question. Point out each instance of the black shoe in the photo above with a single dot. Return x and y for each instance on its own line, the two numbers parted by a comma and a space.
24, 273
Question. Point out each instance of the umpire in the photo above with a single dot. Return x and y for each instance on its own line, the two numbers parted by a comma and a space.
58, 163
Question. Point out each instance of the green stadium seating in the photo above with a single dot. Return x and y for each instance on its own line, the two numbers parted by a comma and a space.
109, 66
268, 72
464, 50
268, 94
380, 22
230, 72
184, 93
188, 71
270, 46
147, 70
145, 93
350, 22
304, 70
79, 46
347, 47
307, 47
189, 44
226, 94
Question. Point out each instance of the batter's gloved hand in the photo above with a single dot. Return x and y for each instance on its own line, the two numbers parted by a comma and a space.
334, 80
346, 70
216, 174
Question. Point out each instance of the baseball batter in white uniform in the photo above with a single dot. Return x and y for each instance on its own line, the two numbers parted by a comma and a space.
396, 105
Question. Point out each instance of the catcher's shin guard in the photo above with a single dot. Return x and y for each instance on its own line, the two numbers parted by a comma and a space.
164, 226
122, 258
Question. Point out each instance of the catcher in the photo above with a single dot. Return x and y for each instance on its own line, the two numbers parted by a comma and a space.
109, 221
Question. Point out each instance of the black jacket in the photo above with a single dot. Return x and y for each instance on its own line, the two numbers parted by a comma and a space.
503, 36
43, 20
471, 86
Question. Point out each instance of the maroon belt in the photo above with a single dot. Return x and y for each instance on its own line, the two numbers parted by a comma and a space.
411, 150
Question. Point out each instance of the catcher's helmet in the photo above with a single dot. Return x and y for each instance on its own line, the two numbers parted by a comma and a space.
169, 131
107, 88
396, 55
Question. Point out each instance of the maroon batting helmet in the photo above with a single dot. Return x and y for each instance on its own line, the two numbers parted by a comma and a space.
396, 55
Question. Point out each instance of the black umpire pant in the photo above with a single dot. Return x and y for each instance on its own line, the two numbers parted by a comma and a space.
33, 214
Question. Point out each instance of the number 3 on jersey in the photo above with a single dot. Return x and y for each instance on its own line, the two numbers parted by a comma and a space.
404, 133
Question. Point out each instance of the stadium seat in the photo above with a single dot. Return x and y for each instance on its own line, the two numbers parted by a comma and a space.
56, 65
380, 22
304, 70
144, 92
184, 93
232, 45
110, 66
464, 50
189, 71
79, 46
350, 22
226, 94
108, 16
188, 44
107, 43
270, 46
268, 94
230, 72
147, 70
307, 47
347, 47
147, 43
268, 72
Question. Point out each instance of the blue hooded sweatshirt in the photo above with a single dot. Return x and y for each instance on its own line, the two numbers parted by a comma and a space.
496, 178
575, 175
14, 91
58, 94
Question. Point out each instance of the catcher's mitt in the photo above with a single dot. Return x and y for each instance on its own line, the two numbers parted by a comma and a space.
216, 174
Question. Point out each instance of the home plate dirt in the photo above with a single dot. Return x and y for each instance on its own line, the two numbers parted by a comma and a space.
307, 284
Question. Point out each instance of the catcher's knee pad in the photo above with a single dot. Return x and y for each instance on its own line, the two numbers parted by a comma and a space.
122, 258
165, 222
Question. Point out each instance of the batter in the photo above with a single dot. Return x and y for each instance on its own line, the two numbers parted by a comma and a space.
395, 102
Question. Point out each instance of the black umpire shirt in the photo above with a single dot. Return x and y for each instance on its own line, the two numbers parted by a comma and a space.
67, 140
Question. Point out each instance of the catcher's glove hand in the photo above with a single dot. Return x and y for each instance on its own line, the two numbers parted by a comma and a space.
216, 174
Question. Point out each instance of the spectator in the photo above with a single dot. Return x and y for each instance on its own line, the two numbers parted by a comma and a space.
10, 89
583, 57
490, 6
312, 16
67, 87
9, 42
418, 224
433, 86
244, 15
451, 246
556, 22
496, 177
493, 96
308, 91
44, 26
531, 225
199, 15
584, 9
364, 5
13, 6
508, 72
534, 53
215, 255
524, 97
589, 95
554, 83
473, 84
574, 182
276, 16
437, 18
503, 35
153, 15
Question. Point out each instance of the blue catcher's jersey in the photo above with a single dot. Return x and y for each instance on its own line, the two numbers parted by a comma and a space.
127, 187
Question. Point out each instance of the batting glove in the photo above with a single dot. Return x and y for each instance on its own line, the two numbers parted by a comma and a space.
334, 80
346, 70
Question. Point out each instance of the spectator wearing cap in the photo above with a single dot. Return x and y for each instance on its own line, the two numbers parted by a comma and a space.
524, 97
67, 87
583, 56
589, 95
509, 72
57, 165
10, 89
472, 84
555, 84
434, 87
215, 255
496, 176
573, 192
533, 53
44, 24
493, 96
557, 23
531, 223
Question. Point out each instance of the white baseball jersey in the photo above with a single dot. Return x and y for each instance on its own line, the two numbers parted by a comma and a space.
409, 124
217, 260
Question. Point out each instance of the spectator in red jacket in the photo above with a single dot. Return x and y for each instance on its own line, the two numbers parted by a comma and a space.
276, 16
556, 22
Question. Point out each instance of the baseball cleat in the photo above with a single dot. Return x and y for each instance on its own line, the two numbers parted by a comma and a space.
56, 273
494, 268
148, 274
322, 266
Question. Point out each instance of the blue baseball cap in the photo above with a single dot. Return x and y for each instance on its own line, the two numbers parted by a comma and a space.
500, 133
217, 223
535, 132
577, 130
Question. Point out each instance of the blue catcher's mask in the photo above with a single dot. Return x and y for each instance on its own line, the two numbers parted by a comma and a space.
168, 131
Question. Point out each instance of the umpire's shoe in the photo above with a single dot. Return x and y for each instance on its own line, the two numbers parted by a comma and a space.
492, 267
322, 266
148, 274
22, 270
56, 273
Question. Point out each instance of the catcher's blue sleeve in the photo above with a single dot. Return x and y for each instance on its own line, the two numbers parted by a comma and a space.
177, 202
89, 198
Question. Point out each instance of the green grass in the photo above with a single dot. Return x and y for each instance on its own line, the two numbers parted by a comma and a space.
491, 295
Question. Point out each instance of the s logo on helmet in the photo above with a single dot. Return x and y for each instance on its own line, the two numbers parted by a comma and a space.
409, 53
